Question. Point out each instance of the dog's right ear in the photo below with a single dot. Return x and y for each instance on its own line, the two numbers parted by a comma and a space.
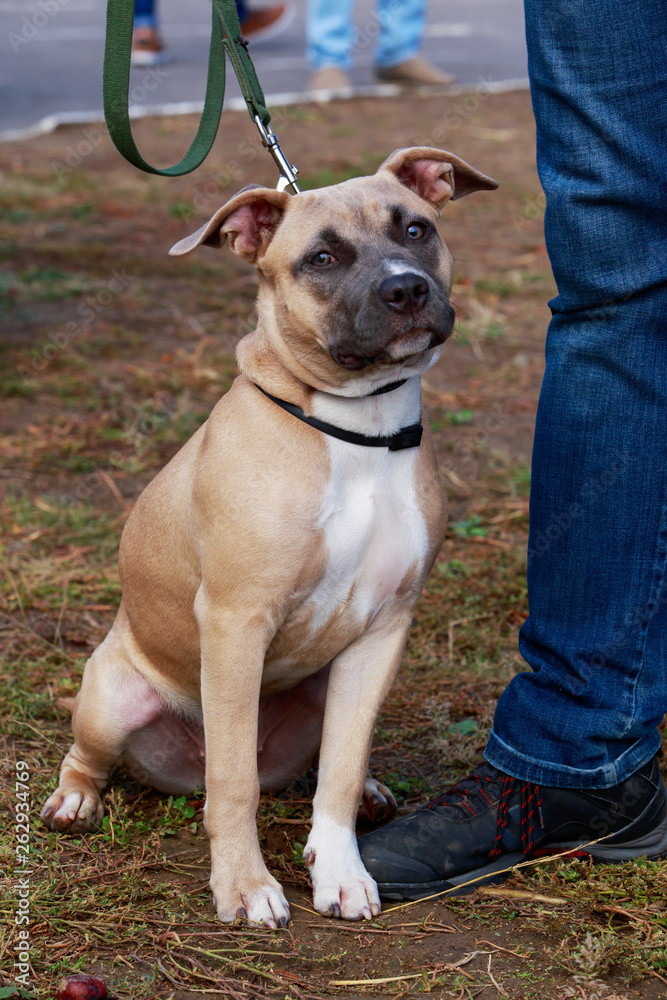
249, 220
436, 175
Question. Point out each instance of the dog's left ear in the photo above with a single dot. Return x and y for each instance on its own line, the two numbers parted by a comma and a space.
249, 221
436, 175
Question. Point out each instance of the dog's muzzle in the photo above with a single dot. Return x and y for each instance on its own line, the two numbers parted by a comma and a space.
405, 293
409, 339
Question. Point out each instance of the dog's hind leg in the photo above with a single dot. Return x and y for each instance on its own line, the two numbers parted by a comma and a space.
377, 802
290, 733
114, 700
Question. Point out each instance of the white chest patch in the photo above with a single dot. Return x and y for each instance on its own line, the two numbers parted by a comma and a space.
374, 529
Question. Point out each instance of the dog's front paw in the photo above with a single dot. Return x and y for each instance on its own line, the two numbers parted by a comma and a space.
341, 885
72, 811
350, 896
261, 903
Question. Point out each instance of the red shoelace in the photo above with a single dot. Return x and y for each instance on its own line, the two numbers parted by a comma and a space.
530, 806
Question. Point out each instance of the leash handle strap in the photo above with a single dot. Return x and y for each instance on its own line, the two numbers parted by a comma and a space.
225, 35
407, 437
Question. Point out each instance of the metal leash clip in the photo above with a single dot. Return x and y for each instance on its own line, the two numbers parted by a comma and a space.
287, 180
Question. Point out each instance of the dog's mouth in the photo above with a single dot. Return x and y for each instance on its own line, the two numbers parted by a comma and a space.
416, 340
410, 343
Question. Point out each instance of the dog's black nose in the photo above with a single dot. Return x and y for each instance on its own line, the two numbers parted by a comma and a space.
406, 292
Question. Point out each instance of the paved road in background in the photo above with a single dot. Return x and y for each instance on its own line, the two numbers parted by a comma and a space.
51, 53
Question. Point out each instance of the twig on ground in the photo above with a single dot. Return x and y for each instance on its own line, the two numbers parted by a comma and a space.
495, 982
500, 948
532, 897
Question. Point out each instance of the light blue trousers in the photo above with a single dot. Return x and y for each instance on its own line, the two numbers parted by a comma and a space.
395, 30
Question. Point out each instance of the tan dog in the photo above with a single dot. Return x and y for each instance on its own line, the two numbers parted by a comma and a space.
270, 571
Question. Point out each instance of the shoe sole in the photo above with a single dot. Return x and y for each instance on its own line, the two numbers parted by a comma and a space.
144, 59
652, 847
458, 885
403, 81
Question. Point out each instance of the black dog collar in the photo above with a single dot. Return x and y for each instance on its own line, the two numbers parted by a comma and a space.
407, 437
389, 387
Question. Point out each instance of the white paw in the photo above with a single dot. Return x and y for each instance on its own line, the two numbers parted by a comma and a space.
341, 885
72, 812
377, 802
350, 896
264, 905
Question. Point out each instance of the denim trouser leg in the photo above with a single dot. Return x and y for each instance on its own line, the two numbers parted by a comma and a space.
330, 33
144, 14
596, 638
333, 37
402, 24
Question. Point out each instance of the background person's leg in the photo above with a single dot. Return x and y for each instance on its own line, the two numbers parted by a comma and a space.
144, 14
330, 33
596, 637
147, 45
400, 25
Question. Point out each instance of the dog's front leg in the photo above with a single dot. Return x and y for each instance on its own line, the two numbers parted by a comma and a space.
360, 679
233, 646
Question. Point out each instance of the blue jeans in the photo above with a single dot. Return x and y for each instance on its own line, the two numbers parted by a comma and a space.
144, 14
146, 17
596, 638
333, 37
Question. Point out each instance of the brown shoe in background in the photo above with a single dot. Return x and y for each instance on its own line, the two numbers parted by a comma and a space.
148, 48
263, 23
329, 78
415, 72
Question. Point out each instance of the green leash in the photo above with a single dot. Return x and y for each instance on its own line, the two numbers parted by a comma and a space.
225, 36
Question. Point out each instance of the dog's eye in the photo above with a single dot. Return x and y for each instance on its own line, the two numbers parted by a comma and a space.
416, 231
322, 259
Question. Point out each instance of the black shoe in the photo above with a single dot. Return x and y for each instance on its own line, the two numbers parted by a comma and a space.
490, 821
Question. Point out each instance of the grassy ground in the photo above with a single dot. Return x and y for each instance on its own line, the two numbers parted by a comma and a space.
113, 354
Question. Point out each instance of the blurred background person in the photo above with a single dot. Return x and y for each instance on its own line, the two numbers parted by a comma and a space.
257, 24
399, 27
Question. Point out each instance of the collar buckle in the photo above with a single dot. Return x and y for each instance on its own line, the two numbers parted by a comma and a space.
407, 437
